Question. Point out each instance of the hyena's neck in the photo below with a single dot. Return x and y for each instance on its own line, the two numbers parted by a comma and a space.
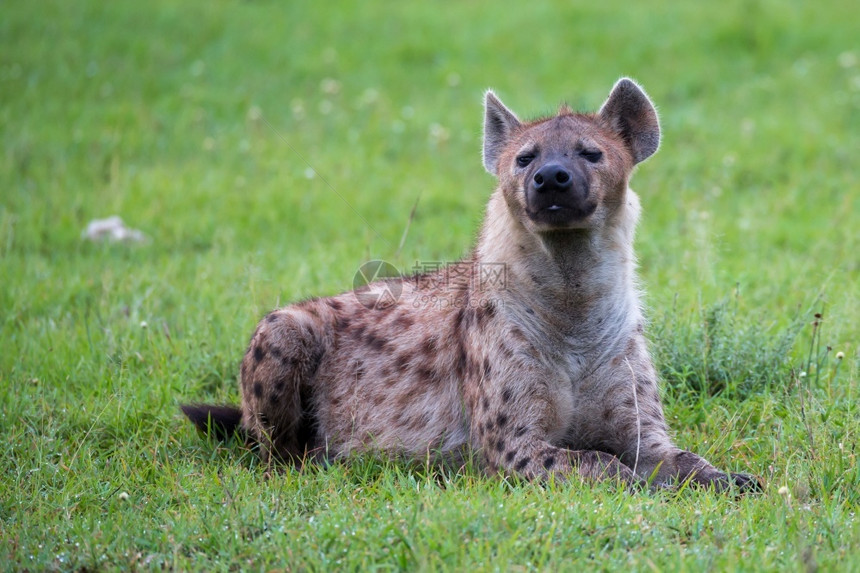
573, 278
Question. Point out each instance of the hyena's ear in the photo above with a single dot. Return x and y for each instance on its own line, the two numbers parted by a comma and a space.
630, 113
499, 122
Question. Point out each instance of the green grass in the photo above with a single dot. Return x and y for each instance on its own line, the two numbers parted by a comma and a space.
198, 123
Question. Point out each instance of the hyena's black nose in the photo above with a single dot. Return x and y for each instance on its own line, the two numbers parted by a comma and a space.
552, 177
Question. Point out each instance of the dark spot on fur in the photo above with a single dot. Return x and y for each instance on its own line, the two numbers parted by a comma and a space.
358, 331
474, 369
401, 362
485, 404
258, 390
425, 374
334, 304
403, 321
429, 345
500, 445
631, 346
343, 322
507, 394
502, 420
483, 313
462, 359
607, 413
548, 462
530, 311
509, 457
522, 463
378, 400
375, 342
518, 335
272, 316
279, 386
521, 431
276, 351
259, 353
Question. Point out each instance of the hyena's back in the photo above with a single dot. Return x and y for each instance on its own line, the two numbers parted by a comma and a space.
328, 376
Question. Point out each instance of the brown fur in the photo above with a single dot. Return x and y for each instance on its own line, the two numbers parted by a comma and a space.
545, 372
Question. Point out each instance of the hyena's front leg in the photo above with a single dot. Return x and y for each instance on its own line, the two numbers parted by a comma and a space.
511, 432
635, 429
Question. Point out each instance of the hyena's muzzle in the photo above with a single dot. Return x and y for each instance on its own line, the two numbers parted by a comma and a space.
557, 191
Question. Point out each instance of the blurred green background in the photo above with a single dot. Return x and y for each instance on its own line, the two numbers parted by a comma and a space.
267, 149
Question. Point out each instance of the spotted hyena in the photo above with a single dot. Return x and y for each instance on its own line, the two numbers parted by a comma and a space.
535, 359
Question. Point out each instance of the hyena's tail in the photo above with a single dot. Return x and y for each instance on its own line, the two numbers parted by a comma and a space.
220, 422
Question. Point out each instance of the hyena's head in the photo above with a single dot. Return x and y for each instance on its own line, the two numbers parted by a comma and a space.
570, 171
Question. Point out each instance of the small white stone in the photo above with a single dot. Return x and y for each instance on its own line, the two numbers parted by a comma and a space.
123, 496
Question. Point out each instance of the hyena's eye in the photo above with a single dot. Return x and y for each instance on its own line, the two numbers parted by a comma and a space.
591, 155
525, 159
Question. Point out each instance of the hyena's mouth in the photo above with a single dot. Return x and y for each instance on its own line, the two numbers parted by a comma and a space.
561, 215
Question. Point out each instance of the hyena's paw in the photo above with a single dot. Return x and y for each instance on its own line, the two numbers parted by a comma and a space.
747, 484
740, 484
